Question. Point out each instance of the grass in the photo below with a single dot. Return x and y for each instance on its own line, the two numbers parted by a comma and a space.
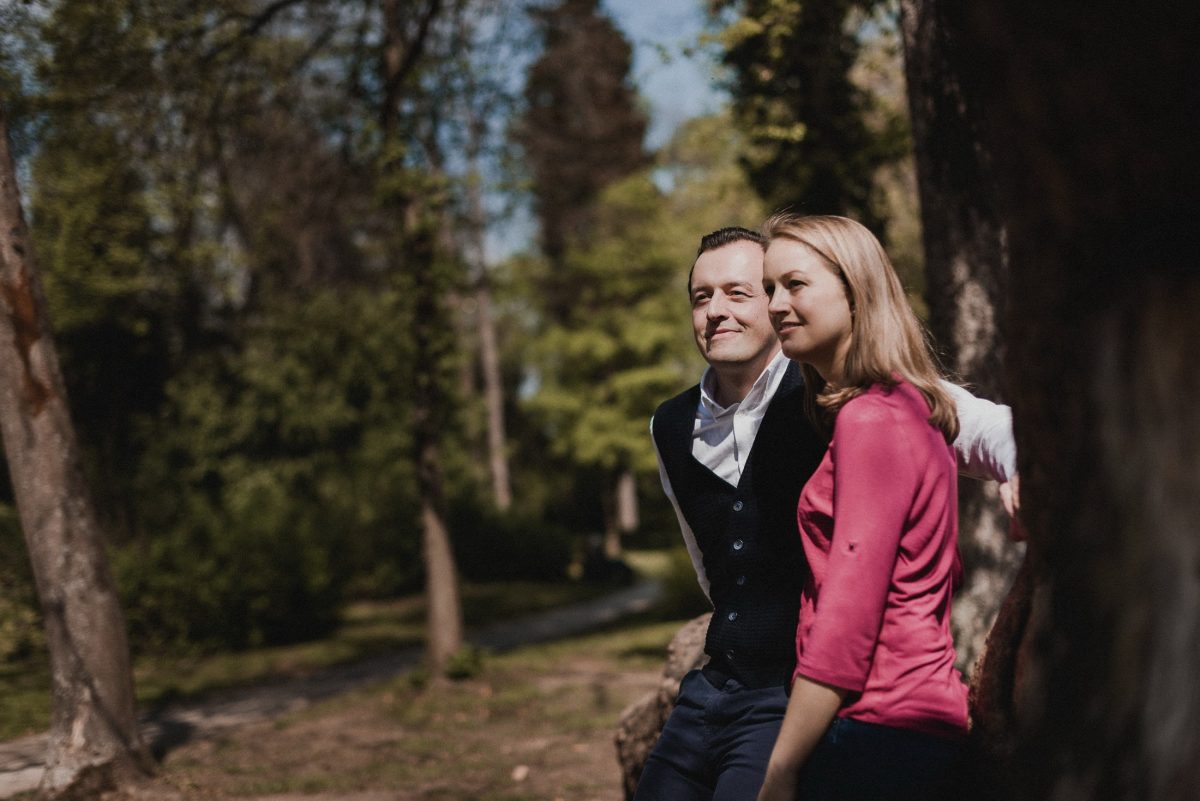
367, 629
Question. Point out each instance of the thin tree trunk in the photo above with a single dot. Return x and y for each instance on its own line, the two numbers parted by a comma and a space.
966, 269
444, 607
1097, 162
627, 502
489, 359
417, 255
94, 732
489, 351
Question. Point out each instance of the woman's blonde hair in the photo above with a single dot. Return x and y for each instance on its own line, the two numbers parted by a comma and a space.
886, 339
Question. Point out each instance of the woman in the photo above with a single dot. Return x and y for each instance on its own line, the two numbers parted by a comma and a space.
877, 709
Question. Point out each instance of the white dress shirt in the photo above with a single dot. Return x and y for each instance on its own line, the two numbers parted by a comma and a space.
723, 436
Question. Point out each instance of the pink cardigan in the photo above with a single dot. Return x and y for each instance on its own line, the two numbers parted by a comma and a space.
879, 522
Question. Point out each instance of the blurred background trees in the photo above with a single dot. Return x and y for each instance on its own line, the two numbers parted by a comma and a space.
293, 349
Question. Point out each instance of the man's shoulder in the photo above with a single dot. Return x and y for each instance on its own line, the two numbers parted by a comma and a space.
682, 404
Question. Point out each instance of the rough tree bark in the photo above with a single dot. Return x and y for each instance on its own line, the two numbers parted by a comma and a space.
965, 268
94, 738
1087, 117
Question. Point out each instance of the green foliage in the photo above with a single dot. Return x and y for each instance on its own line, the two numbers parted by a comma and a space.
810, 147
618, 351
466, 663
278, 475
20, 624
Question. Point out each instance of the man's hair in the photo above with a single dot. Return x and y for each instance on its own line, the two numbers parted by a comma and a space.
727, 236
722, 237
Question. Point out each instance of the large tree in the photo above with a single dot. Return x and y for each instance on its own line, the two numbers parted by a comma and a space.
1087, 118
582, 128
94, 735
965, 285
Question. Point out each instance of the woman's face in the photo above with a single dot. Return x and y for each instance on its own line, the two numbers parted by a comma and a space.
809, 308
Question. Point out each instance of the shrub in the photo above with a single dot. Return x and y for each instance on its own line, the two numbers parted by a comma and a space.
492, 546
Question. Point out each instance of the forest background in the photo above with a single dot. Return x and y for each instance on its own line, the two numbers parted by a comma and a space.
301, 373
242, 347
300, 378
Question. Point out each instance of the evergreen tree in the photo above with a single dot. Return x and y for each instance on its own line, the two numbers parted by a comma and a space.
582, 129
810, 148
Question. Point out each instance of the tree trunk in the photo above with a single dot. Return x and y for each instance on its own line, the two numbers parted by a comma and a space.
94, 724
1097, 162
966, 277
406, 28
620, 512
489, 351
493, 392
627, 502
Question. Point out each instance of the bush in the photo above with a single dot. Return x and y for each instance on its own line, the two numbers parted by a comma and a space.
20, 624
278, 476
492, 546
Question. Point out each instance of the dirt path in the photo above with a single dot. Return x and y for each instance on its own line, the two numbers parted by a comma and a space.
218, 717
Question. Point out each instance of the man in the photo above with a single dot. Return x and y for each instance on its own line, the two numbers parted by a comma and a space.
734, 452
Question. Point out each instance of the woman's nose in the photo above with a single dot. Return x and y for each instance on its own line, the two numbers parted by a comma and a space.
777, 303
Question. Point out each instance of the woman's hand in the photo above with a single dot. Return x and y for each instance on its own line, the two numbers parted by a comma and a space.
780, 785
810, 711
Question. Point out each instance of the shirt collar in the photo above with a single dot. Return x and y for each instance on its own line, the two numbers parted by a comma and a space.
759, 395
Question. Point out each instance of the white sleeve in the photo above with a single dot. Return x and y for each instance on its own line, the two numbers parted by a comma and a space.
985, 445
689, 539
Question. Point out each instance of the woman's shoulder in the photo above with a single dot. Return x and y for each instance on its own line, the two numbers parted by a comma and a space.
886, 402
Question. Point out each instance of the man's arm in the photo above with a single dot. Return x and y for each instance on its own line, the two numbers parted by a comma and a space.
689, 539
985, 446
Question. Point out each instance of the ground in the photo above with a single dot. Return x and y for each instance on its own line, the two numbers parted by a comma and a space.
534, 723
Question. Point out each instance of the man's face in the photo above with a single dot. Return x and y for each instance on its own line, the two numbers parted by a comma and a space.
729, 307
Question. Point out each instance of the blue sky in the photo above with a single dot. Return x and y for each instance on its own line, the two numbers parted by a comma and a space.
676, 84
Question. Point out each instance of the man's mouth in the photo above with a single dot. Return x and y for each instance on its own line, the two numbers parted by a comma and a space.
720, 331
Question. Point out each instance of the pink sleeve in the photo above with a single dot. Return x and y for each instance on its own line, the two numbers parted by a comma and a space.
875, 479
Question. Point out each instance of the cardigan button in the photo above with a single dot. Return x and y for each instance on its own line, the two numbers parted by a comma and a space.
738, 545
737, 506
732, 616
741, 580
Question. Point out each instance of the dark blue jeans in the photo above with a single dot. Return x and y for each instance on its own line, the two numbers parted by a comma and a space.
716, 743
858, 761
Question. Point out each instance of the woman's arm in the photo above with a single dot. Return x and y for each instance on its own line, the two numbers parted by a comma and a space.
810, 711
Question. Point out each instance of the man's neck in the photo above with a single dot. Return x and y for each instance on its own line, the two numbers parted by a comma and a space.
733, 382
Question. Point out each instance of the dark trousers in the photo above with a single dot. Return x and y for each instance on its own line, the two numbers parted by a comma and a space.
858, 761
716, 743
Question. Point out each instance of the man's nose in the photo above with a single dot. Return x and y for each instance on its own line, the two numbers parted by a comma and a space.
716, 307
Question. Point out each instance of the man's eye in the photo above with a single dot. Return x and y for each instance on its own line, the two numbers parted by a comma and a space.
699, 300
